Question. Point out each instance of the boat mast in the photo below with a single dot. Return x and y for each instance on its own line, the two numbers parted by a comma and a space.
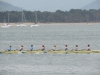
36, 16
22, 16
8, 17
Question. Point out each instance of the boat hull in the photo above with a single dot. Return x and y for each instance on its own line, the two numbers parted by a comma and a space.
36, 25
72, 51
5, 26
21, 25
48, 52
22, 52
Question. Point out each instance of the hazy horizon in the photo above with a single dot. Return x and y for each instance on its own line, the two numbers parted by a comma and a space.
49, 5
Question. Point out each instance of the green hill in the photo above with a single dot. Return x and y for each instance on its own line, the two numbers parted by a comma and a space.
4, 6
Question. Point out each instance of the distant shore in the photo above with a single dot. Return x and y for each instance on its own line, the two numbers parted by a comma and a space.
29, 24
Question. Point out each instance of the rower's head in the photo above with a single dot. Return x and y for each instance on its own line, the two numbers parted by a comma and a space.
54, 45
76, 45
21, 45
66, 45
42, 45
10, 46
88, 45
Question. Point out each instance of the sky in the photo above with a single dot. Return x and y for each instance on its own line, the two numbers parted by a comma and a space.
49, 5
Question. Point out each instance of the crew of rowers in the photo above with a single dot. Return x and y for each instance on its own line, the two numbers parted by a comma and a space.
43, 48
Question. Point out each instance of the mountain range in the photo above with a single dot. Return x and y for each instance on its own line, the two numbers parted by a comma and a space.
4, 6
93, 5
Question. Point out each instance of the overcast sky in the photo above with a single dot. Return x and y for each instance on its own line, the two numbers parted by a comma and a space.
49, 5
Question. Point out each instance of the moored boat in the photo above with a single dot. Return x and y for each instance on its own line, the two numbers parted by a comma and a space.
22, 24
36, 23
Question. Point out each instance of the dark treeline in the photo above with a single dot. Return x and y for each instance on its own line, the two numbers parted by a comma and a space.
74, 15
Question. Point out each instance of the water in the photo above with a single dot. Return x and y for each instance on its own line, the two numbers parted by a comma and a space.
50, 64
51, 35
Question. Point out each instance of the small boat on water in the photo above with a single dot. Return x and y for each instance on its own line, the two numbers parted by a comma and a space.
36, 24
89, 24
7, 25
22, 25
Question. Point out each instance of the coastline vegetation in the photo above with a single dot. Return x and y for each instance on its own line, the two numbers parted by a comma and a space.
59, 16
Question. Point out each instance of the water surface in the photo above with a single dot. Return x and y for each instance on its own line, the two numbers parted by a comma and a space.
50, 64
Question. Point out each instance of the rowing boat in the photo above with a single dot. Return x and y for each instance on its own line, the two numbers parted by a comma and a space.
34, 52
22, 52
48, 51
72, 51
56, 51
11, 52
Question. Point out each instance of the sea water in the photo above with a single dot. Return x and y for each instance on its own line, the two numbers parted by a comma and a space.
50, 64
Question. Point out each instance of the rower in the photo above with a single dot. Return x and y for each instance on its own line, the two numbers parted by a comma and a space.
54, 47
66, 48
21, 48
43, 48
10, 48
88, 47
31, 48
76, 47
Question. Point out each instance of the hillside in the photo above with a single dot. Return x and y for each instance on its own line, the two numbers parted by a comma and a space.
93, 5
4, 6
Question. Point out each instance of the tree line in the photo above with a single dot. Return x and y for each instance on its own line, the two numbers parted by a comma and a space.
59, 16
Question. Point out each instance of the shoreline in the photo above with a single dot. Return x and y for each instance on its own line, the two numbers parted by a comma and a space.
29, 24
